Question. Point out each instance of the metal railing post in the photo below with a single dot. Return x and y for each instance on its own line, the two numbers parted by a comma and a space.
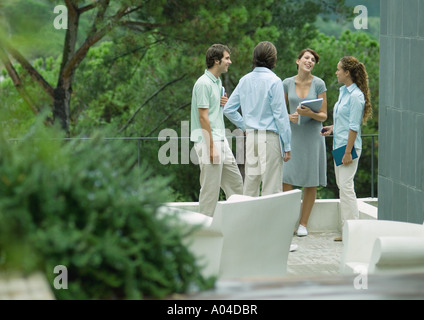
372, 165
139, 152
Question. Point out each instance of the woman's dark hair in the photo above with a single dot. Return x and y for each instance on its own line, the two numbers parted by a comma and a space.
265, 55
215, 53
313, 52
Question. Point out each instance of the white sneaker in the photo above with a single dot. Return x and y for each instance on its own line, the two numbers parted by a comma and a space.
301, 231
293, 247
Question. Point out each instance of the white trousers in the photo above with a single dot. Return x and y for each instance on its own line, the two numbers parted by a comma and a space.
345, 176
213, 177
264, 163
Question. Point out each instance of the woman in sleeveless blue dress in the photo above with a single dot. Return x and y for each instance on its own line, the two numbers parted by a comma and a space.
308, 165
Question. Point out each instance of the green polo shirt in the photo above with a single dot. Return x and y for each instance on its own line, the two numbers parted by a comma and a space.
207, 95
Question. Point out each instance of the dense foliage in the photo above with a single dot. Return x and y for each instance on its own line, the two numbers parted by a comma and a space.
82, 205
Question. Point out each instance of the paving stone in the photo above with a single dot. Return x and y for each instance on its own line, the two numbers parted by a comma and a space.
317, 254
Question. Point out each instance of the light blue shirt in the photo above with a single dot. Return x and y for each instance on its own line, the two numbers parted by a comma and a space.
347, 115
260, 94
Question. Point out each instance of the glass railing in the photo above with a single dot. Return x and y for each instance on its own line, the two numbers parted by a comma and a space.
369, 157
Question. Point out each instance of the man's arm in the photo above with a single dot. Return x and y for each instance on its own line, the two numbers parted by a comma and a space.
231, 110
281, 116
207, 135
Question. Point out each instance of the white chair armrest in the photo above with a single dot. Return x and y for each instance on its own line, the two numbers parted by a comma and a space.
397, 254
239, 198
359, 237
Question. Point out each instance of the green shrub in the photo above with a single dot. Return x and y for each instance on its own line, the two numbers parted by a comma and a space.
82, 204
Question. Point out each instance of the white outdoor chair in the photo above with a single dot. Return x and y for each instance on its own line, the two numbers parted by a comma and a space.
246, 237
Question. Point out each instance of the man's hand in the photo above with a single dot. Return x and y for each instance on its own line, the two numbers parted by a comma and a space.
214, 155
224, 100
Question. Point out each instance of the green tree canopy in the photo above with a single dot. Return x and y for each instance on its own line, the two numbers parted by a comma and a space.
181, 29
139, 76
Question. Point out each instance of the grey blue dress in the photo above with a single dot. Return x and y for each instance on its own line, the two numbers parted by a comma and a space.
308, 164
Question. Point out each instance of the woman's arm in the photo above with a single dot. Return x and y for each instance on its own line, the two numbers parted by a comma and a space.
292, 117
347, 158
319, 116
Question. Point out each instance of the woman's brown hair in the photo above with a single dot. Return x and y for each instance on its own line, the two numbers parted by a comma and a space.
313, 52
359, 75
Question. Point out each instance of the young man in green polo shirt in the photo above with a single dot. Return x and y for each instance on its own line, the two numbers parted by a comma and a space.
218, 167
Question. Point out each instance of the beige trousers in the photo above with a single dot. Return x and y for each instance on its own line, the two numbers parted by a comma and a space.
213, 177
264, 163
345, 176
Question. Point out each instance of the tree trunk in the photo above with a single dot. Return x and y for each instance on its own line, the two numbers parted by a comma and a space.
62, 99
72, 58
63, 90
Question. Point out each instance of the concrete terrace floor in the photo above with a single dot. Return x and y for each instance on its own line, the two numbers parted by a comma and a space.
17, 287
317, 254
313, 274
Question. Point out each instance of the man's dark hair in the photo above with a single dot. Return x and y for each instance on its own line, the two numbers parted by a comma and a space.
265, 55
215, 53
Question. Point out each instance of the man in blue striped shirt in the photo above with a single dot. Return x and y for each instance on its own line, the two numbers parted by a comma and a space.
264, 118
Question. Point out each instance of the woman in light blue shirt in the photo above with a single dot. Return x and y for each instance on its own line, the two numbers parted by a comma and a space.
351, 110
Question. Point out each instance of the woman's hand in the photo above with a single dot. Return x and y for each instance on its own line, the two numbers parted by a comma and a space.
294, 117
327, 131
304, 111
347, 159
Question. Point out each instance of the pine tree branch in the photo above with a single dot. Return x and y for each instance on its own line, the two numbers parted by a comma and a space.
93, 38
168, 117
16, 80
148, 100
34, 74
